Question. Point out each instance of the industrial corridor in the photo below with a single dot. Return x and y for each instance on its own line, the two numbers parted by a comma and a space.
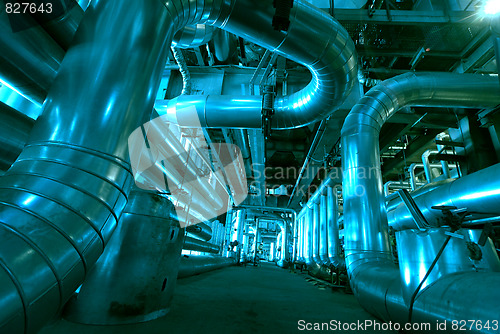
263, 299
249, 166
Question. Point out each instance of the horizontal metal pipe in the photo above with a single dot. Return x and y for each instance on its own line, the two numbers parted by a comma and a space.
373, 276
200, 245
194, 265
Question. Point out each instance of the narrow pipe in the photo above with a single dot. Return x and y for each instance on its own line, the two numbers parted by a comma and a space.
444, 164
308, 238
413, 177
305, 165
373, 276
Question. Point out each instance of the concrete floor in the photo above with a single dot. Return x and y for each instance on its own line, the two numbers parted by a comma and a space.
263, 299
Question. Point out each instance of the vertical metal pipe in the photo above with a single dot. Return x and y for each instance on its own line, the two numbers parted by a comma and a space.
301, 238
240, 217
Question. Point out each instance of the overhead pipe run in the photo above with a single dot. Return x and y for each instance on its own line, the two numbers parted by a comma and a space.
314, 39
373, 276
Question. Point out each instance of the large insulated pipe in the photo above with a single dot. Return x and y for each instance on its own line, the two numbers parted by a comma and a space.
194, 265
134, 279
62, 28
373, 276
193, 36
15, 128
336, 260
314, 39
478, 192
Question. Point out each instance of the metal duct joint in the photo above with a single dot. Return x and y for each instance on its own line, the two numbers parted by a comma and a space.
373, 275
